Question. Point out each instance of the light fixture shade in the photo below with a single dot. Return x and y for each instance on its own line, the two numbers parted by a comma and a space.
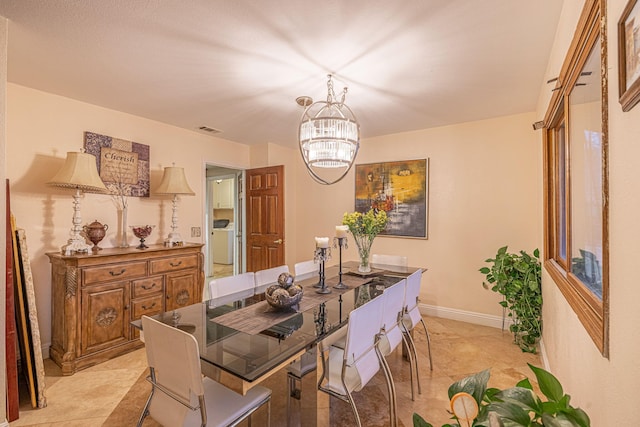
79, 172
329, 137
174, 182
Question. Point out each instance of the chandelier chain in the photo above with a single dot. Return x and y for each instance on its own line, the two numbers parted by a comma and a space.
331, 95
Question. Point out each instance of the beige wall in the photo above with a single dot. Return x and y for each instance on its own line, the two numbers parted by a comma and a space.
605, 388
484, 193
42, 127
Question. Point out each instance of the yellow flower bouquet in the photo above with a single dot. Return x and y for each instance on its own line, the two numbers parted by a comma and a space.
364, 228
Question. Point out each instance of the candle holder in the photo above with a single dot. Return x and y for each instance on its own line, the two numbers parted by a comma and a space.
340, 242
320, 320
321, 255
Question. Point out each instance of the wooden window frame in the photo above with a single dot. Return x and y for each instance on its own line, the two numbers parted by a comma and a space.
592, 312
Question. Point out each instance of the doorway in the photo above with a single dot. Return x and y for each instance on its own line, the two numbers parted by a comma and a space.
224, 222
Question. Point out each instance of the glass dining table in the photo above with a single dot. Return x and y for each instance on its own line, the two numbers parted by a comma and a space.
243, 340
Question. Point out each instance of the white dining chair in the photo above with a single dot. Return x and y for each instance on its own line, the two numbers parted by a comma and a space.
348, 369
231, 284
412, 317
391, 331
396, 260
180, 395
306, 269
270, 275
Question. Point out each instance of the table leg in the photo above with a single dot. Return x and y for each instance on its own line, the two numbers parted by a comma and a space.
312, 406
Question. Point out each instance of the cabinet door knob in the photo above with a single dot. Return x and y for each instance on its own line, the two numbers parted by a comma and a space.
112, 273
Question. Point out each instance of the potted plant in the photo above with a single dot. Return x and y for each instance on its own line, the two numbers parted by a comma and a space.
517, 277
365, 227
516, 406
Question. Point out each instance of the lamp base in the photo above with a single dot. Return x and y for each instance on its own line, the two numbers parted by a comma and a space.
174, 239
76, 245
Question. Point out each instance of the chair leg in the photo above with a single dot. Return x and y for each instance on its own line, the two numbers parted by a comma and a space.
412, 349
145, 410
269, 413
203, 411
353, 407
426, 331
411, 367
349, 397
393, 417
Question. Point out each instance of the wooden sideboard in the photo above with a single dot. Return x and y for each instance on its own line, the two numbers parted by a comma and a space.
95, 297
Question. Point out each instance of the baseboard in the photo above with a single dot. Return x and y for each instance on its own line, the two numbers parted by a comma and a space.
465, 316
543, 356
478, 319
45, 350
4, 423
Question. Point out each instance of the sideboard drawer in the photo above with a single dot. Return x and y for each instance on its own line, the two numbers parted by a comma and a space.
147, 306
173, 264
120, 271
147, 286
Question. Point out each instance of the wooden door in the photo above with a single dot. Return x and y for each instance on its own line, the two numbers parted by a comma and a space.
265, 218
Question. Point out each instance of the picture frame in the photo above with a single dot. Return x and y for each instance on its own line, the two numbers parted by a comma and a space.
123, 165
401, 189
629, 55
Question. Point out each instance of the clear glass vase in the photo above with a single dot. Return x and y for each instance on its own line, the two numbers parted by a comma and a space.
122, 238
364, 243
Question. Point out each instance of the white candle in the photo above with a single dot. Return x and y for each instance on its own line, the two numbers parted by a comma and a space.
341, 231
322, 242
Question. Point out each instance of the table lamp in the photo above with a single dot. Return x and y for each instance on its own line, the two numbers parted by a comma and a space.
174, 182
80, 173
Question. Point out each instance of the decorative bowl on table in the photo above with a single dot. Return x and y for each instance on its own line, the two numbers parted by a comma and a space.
285, 295
142, 232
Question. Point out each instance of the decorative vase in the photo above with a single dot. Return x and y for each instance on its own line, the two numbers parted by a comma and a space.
122, 230
95, 232
364, 243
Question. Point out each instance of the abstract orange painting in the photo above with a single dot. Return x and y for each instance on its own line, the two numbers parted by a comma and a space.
399, 188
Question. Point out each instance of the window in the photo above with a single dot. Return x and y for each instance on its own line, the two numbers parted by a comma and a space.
576, 244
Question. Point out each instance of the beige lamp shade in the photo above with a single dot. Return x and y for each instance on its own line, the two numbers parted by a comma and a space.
79, 172
174, 182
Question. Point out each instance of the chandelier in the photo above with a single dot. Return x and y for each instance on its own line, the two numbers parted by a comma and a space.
329, 136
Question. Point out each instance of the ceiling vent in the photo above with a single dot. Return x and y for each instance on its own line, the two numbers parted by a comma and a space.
208, 129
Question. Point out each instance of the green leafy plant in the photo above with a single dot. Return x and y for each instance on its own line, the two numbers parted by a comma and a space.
517, 406
365, 227
518, 278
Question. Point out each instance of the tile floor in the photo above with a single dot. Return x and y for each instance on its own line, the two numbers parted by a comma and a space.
88, 398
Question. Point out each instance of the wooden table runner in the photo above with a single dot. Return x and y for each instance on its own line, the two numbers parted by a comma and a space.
256, 318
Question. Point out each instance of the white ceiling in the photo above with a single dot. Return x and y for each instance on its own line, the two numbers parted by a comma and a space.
238, 66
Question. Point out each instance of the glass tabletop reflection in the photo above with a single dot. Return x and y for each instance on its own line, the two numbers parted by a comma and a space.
249, 356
